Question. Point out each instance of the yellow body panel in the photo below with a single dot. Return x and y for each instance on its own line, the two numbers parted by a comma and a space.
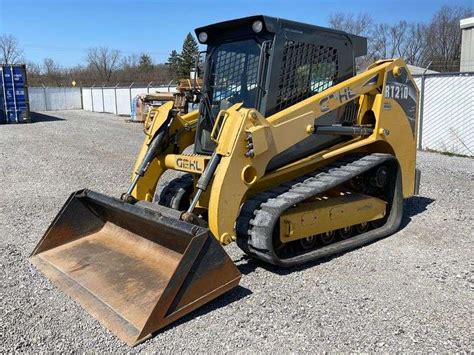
240, 174
328, 214
183, 126
191, 163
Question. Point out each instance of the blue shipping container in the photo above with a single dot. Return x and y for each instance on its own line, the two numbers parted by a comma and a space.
15, 106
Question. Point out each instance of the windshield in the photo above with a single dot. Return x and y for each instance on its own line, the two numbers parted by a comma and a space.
233, 74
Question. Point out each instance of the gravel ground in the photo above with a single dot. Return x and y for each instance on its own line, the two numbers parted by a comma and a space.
412, 291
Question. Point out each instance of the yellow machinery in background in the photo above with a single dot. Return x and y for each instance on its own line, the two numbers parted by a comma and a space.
291, 155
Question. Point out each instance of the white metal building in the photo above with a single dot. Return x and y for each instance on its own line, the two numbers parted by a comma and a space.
467, 44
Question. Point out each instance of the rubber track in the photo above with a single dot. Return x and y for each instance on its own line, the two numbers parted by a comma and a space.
260, 214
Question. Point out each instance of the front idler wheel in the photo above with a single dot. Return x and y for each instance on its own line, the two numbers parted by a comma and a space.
380, 177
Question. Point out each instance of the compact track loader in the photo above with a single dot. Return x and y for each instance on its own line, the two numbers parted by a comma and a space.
292, 155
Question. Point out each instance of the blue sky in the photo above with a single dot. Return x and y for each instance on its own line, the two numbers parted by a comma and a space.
63, 30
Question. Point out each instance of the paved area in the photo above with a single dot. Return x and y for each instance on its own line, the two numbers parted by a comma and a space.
410, 292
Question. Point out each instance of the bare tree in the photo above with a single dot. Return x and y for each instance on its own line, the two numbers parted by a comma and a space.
50, 67
416, 44
52, 72
380, 41
402, 39
361, 25
11, 53
104, 60
444, 38
80, 74
130, 61
33, 69
398, 39
390, 41
34, 73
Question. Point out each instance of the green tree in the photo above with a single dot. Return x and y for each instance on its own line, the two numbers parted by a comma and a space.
188, 56
174, 63
145, 63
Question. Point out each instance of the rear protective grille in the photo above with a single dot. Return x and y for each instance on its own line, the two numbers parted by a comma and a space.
306, 69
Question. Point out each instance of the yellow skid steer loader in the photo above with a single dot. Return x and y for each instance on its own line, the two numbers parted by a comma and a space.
293, 156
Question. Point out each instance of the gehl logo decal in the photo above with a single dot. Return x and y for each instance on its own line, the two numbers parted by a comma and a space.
188, 164
343, 95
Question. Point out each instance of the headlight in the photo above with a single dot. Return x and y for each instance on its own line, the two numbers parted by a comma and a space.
257, 26
202, 37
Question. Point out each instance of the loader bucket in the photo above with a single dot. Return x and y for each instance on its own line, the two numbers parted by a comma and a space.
134, 268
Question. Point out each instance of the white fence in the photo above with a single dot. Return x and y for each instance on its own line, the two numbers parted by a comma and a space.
446, 114
117, 100
54, 98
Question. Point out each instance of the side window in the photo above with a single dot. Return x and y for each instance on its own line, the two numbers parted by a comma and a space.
306, 69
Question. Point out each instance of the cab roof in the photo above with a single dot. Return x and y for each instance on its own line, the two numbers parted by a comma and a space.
243, 26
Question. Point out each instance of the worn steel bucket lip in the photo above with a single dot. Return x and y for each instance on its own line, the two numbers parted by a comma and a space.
182, 283
91, 304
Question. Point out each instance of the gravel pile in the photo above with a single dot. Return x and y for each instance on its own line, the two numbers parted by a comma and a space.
412, 291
